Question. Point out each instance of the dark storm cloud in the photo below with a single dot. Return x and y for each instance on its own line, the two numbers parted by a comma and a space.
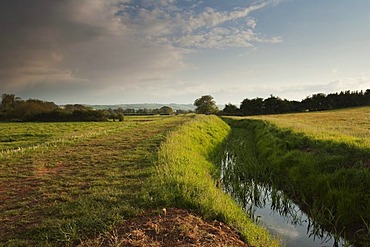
35, 35
46, 23
73, 43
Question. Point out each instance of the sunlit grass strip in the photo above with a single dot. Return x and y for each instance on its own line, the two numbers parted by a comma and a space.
61, 141
351, 126
20, 138
185, 177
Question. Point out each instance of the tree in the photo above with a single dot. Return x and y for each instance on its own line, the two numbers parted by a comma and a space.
165, 110
205, 105
76, 107
273, 105
9, 101
251, 106
231, 110
366, 98
31, 108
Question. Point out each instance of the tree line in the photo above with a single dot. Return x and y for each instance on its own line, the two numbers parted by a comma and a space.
316, 102
15, 109
164, 110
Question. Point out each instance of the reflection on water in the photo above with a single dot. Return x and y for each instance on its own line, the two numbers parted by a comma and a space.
273, 209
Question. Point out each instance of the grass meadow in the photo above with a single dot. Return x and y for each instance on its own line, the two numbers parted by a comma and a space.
76, 180
66, 183
63, 183
350, 126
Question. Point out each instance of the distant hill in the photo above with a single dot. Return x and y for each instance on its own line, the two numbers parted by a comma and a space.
174, 106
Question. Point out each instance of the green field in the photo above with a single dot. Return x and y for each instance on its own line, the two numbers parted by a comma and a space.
62, 183
80, 180
17, 137
351, 126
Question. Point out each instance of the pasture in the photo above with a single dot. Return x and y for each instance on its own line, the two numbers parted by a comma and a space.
350, 126
62, 182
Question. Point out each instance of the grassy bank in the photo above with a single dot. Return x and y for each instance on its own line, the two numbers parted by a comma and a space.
326, 172
187, 178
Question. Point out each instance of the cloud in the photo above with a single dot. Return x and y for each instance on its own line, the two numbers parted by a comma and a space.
359, 83
74, 41
251, 23
286, 231
343, 84
38, 36
106, 45
299, 91
184, 27
211, 17
219, 38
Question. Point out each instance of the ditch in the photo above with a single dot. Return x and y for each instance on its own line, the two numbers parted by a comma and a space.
273, 209
257, 189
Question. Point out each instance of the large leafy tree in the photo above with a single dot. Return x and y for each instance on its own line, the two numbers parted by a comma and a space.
9, 101
166, 110
252, 106
231, 110
205, 105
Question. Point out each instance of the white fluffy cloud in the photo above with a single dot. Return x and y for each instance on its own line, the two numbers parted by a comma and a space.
170, 24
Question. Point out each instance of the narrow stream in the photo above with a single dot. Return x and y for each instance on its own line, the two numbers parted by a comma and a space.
272, 209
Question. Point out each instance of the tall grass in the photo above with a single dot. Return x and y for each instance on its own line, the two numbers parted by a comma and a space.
330, 178
186, 177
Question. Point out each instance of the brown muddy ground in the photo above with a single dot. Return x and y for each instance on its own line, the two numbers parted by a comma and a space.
171, 227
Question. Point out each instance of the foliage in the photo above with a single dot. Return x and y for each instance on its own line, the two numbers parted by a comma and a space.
14, 109
166, 110
17, 110
205, 105
187, 178
316, 102
133, 108
230, 110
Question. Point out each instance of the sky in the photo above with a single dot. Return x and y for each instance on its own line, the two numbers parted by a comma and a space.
172, 51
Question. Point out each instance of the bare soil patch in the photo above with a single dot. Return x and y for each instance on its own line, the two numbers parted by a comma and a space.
171, 227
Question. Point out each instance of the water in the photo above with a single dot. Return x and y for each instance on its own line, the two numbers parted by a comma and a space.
272, 209
290, 223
